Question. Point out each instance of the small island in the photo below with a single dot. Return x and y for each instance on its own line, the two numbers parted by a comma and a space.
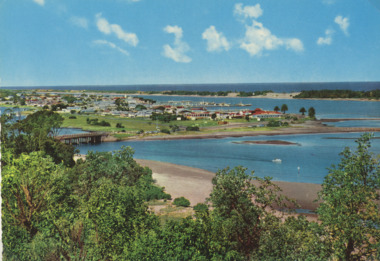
268, 142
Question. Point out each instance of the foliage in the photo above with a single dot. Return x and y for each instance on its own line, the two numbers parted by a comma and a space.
35, 195
119, 125
333, 94
274, 123
69, 98
200, 93
36, 133
349, 212
96, 122
284, 108
311, 112
245, 94
192, 128
294, 239
243, 210
181, 202
303, 110
167, 131
165, 117
276, 109
155, 192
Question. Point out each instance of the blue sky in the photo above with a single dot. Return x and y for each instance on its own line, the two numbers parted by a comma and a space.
106, 42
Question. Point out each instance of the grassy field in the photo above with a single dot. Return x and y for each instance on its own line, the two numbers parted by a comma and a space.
132, 125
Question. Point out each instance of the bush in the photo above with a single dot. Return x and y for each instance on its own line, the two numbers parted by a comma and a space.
165, 131
155, 192
192, 128
274, 124
181, 202
200, 207
72, 117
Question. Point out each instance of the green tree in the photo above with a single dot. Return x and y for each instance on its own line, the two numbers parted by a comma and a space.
303, 110
35, 197
276, 109
213, 116
349, 211
36, 133
284, 108
311, 112
243, 210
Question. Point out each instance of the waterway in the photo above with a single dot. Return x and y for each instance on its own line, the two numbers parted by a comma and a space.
307, 161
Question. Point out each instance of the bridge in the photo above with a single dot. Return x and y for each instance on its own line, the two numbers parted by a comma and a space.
83, 138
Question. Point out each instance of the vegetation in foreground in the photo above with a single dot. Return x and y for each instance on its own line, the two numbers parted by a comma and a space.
97, 209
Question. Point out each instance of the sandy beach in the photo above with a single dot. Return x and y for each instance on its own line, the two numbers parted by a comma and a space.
195, 184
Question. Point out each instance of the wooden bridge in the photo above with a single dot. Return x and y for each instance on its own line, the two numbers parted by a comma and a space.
83, 138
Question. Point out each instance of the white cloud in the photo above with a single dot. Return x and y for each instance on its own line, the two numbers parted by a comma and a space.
215, 41
105, 27
248, 11
176, 53
79, 21
111, 45
343, 23
327, 40
40, 2
258, 38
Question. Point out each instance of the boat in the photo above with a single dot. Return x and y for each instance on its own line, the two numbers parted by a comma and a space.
277, 160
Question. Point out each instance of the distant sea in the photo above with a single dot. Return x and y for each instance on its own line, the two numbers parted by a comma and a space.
276, 87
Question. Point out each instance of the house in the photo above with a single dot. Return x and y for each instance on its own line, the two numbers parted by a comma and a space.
260, 114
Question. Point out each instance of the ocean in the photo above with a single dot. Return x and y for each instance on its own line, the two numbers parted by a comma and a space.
276, 87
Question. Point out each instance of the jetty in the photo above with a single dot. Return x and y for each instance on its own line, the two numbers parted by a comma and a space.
83, 138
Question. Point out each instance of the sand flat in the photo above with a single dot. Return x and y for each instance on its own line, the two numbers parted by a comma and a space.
195, 184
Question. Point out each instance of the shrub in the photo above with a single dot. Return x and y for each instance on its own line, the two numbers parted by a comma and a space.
72, 117
165, 131
192, 128
181, 202
200, 207
274, 124
155, 192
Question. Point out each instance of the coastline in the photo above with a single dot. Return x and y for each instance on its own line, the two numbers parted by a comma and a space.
196, 184
314, 127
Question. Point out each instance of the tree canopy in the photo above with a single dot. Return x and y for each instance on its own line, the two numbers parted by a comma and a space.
350, 211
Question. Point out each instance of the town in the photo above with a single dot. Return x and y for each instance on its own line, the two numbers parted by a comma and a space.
127, 115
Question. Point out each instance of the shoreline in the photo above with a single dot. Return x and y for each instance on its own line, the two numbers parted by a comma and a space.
316, 127
196, 184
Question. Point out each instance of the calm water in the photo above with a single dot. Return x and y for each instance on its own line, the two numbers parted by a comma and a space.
325, 109
313, 154
360, 123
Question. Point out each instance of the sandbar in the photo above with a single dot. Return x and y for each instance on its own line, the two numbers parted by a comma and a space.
268, 142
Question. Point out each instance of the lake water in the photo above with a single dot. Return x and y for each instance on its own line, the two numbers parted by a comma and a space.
325, 109
313, 154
